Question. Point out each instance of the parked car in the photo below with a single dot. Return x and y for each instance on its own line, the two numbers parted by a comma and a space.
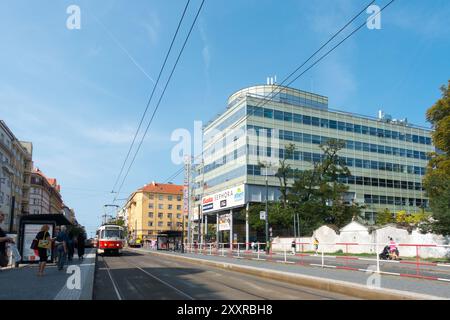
135, 243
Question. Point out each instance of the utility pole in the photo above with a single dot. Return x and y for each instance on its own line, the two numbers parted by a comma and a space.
266, 166
182, 236
106, 215
267, 211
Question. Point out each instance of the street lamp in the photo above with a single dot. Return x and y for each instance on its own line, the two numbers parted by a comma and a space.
266, 166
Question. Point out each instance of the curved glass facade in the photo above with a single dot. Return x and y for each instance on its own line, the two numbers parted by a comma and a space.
387, 160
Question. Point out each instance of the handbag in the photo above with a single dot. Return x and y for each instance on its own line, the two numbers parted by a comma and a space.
34, 244
44, 244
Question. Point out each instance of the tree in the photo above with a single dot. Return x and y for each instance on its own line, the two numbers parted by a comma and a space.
437, 178
318, 195
279, 216
283, 173
384, 217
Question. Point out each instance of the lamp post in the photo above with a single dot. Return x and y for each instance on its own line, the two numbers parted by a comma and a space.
266, 166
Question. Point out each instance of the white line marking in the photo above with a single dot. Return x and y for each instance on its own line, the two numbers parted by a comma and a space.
167, 284
443, 265
114, 284
325, 266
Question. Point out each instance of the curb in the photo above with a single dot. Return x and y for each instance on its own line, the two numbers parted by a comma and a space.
88, 290
336, 286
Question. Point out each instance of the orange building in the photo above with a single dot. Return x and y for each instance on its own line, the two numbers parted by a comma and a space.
155, 207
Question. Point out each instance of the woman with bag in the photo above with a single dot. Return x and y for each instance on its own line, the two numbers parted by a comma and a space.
3, 241
44, 244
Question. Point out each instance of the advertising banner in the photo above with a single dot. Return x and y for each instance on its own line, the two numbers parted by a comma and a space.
30, 232
224, 222
229, 198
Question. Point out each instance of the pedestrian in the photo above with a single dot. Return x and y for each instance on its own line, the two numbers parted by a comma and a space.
252, 245
44, 241
3, 241
61, 247
293, 246
393, 249
70, 245
80, 246
316, 246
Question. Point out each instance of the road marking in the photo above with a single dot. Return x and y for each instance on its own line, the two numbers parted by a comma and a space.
113, 283
167, 284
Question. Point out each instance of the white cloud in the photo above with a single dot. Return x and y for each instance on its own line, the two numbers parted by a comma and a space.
152, 26
206, 57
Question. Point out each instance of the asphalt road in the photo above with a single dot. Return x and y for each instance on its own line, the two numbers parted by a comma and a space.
134, 276
405, 267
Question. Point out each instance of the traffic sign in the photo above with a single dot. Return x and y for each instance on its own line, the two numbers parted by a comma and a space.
262, 215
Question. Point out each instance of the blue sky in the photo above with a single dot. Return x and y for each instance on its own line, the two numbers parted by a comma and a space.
78, 94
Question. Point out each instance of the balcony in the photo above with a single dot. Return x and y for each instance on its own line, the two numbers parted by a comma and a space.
7, 166
3, 144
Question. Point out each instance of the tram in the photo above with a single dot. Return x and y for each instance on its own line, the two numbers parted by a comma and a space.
110, 239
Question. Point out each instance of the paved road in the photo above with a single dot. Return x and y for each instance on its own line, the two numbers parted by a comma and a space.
404, 267
138, 276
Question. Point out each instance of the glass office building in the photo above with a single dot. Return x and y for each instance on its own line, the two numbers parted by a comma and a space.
387, 157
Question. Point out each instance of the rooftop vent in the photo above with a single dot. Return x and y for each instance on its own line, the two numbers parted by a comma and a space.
271, 80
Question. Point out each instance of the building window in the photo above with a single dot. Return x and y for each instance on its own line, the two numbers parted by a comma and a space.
170, 198
161, 197
169, 215
160, 224
160, 215
150, 205
179, 207
178, 198
151, 197
150, 215
150, 224
178, 216
169, 207
160, 206
169, 224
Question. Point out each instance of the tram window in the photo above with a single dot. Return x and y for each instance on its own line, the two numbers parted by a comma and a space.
112, 233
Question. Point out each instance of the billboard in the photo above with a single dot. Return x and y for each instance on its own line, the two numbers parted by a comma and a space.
29, 234
227, 199
224, 222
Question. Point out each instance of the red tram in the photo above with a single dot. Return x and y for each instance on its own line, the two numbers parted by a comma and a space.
110, 239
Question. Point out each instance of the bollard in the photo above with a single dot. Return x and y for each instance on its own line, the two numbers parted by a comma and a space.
258, 250
322, 259
378, 258
285, 255
210, 249
239, 255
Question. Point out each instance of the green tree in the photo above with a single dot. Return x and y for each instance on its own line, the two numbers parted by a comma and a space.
437, 178
318, 195
283, 173
384, 217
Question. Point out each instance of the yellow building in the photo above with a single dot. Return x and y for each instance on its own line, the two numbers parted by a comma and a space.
154, 208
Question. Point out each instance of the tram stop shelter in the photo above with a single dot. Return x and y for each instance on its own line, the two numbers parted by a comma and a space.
29, 227
169, 240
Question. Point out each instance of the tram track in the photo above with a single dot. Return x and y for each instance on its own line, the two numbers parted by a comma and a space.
132, 276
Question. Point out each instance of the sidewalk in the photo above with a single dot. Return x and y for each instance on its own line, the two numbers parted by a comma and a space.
420, 286
23, 284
